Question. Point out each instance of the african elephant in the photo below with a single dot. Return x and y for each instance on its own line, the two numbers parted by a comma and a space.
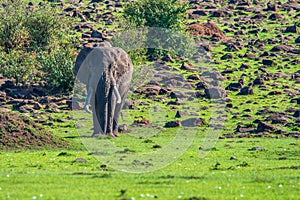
107, 72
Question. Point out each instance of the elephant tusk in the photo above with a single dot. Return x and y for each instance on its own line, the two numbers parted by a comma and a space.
88, 100
119, 99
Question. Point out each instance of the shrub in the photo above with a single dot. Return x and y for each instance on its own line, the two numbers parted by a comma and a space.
167, 15
34, 39
160, 13
18, 65
58, 69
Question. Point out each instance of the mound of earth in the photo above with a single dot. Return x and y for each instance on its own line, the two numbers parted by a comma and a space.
19, 132
207, 29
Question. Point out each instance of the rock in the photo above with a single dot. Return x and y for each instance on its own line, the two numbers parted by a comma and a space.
276, 16
167, 58
257, 149
214, 93
291, 29
227, 56
151, 90
272, 7
268, 62
123, 128
179, 114
217, 13
228, 71
297, 114
156, 146
163, 91
79, 125
174, 103
194, 77
247, 129
234, 87
199, 12
293, 134
70, 8
278, 119
142, 122
186, 66
62, 120
173, 124
259, 81
275, 93
232, 158
37, 106
229, 105
213, 75
246, 91
284, 48
3, 95
177, 95
96, 34
7, 84
201, 85
80, 160
192, 122
55, 1
264, 127
244, 67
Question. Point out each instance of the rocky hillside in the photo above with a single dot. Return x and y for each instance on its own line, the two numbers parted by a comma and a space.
255, 53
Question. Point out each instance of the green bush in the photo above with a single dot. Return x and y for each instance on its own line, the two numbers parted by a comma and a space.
160, 13
58, 69
168, 16
33, 39
18, 65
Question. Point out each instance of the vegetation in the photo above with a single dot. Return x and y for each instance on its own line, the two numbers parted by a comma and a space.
242, 164
161, 13
30, 37
166, 21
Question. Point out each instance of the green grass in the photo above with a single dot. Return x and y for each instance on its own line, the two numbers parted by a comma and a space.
271, 174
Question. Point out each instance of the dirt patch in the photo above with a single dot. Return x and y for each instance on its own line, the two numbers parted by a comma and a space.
20, 132
208, 29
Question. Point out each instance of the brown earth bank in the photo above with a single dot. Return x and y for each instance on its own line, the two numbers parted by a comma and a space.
20, 132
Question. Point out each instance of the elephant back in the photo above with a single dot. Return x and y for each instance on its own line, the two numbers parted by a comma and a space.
83, 54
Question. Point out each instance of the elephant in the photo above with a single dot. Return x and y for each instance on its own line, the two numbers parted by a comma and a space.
107, 73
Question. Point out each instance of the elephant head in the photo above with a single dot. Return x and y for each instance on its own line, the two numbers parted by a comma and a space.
107, 73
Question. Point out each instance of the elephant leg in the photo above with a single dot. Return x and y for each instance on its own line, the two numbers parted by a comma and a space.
123, 89
118, 112
96, 124
111, 112
101, 106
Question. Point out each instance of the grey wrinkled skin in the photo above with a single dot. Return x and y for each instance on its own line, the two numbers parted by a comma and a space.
107, 72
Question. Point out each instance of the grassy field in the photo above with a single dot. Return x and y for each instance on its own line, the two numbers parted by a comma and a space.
191, 169
230, 171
